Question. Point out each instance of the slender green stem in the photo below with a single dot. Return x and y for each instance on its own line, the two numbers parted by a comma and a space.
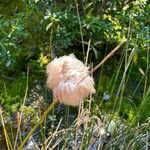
80, 25
39, 122
20, 118
8, 143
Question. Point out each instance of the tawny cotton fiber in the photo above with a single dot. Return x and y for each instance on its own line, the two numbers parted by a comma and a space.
66, 78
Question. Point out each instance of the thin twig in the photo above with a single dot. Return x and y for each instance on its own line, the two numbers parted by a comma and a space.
106, 58
103, 61
87, 54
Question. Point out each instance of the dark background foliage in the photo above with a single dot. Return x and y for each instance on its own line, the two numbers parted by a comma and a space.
32, 32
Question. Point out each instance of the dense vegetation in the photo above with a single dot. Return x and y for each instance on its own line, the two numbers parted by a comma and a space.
33, 32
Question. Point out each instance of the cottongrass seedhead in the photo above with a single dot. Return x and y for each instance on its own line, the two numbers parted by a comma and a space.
69, 80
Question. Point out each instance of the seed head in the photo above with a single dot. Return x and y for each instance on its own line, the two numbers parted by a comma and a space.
66, 77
